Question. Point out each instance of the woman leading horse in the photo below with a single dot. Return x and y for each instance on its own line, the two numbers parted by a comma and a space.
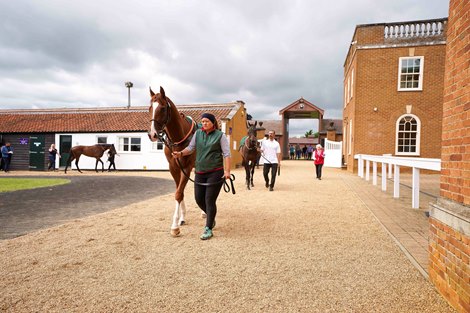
175, 131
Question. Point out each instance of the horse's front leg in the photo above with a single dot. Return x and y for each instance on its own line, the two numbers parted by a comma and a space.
102, 165
247, 175
252, 173
180, 207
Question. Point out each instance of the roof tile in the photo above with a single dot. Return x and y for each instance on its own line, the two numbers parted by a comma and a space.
134, 119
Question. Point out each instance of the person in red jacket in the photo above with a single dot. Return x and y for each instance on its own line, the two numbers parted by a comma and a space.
319, 159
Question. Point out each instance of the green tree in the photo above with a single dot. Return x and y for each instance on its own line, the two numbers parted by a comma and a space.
308, 133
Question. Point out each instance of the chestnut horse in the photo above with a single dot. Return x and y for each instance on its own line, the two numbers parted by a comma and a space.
95, 151
250, 154
175, 131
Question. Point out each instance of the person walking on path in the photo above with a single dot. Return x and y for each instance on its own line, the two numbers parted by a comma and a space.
212, 167
298, 151
111, 157
272, 155
319, 159
309, 152
7, 152
53, 153
292, 152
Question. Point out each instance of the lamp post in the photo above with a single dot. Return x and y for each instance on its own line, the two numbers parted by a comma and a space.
129, 85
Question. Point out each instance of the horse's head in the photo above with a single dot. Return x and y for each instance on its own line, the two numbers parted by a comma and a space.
159, 112
112, 149
252, 139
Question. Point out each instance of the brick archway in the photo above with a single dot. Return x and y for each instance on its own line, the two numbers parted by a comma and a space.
299, 109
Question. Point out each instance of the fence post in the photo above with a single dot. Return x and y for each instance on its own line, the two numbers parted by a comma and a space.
396, 182
415, 189
360, 170
374, 173
389, 170
367, 170
384, 176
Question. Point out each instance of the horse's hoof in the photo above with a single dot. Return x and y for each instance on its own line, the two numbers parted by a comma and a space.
252, 185
181, 223
175, 232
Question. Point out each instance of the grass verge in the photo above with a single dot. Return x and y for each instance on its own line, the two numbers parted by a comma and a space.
13, 184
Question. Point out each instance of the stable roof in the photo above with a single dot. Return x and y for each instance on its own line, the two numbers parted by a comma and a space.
89, 120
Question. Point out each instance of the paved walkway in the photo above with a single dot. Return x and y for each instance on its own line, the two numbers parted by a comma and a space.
408, 227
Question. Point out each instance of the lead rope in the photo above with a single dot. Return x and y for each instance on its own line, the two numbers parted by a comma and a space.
278, 167
226, 185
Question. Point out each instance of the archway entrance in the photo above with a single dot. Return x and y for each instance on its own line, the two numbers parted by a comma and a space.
300, 109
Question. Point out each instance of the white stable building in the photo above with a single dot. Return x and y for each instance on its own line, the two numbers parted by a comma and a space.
31, 133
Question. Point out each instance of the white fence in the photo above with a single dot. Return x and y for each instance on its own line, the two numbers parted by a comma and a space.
387, 161
333, 153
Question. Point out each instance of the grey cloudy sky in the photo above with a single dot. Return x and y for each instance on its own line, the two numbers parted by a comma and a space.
268, 53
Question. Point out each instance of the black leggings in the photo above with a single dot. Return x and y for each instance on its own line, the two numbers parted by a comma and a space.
318, 168
51, 163
273, 168
206, 196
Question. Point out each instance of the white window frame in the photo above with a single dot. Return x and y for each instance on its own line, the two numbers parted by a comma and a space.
154, 146
418, 135
120, 147
349, 88
102, 136
352, 83
421, 73
350, 136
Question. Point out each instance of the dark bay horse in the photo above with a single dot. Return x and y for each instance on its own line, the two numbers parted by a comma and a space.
250, 154
175, 131
95, 151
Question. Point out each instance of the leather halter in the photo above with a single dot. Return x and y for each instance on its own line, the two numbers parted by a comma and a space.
246, 146
168, 116
163, 135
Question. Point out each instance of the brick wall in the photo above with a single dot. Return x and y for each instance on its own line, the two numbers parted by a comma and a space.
455, 175
449, 244
377, 104
449, 268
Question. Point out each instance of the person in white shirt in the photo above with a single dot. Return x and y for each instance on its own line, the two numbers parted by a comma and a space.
271, 153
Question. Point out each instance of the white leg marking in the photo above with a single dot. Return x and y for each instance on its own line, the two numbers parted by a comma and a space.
182, 213
174, 225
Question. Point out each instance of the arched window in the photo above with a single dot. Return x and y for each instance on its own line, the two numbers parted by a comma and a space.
408, 135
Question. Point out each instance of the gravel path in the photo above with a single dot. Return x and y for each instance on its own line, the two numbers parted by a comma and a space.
309, 246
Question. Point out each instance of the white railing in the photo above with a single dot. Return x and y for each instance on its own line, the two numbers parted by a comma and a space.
333, 153
425, 28
415, 163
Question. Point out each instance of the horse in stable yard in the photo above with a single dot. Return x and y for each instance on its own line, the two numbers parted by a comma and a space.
175, 130
95, 151
250, 153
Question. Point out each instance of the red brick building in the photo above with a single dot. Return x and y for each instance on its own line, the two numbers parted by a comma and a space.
449, 223
393, 90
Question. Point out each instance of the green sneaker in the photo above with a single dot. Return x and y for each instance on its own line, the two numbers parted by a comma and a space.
207, 233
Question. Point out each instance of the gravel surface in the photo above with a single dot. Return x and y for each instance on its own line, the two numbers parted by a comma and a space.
309, 246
